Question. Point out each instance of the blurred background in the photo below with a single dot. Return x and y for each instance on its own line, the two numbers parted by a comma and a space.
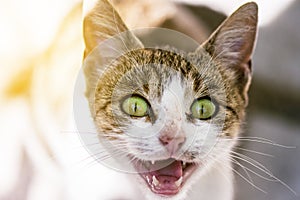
41, 50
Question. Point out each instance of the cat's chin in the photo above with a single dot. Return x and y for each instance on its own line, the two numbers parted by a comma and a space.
165, 177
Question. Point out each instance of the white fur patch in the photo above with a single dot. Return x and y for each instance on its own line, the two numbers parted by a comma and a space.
88, 5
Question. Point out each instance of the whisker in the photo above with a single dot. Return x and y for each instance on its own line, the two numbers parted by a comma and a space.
266, 171
244, 169
252, 171
251, 161
104, 157
258, 166
253, 151
260, 141
243, 177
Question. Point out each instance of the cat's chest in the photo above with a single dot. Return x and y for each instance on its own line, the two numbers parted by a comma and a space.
101, 183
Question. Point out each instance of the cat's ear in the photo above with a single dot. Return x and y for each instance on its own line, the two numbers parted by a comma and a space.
103, 22
106, 38
232, 43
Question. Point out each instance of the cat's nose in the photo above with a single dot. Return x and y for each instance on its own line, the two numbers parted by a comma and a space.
172, 142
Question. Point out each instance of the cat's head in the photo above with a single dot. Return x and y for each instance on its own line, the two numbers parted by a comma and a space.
170, 114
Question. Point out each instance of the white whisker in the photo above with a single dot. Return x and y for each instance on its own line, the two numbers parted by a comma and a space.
259, 140
243, 177
256, 152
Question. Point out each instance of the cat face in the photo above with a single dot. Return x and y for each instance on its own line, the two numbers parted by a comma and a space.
171, 114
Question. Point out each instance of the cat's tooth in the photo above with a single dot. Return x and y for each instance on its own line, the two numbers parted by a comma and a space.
183, 164
178, 182
152, 162
155, 182
148, 179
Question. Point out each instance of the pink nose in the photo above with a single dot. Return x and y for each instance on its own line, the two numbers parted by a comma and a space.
172, 142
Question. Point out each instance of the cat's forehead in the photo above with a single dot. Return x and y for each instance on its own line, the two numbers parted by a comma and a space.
146, 70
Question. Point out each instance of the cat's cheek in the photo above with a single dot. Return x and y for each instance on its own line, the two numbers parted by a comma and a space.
201, 138
141, 123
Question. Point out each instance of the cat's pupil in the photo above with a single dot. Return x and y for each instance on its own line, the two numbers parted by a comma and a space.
135, 107
202, 110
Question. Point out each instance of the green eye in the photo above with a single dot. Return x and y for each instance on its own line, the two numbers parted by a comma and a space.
135, 106
203, 109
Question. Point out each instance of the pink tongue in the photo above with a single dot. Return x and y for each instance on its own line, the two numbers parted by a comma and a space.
172, 170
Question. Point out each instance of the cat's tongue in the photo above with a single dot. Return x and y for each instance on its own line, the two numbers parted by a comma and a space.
167, 180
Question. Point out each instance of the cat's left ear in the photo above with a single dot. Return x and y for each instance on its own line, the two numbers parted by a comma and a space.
103, 22
232, 43
106, 37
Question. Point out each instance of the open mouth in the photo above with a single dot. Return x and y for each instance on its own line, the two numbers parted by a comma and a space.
165, 177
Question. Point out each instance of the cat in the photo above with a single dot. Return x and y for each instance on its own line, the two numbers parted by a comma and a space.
173, 116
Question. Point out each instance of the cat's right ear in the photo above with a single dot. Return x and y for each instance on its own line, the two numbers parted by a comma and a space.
103, 22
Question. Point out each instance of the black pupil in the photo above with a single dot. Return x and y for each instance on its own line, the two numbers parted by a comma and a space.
202, 109
135, 106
